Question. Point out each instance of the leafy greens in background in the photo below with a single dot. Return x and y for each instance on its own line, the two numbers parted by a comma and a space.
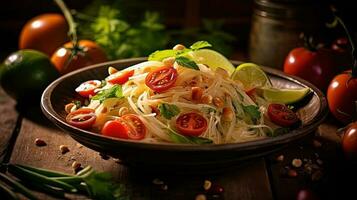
123, 34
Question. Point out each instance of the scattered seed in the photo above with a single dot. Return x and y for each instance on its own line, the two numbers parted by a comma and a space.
319, 161
296, 163
40, 143
280, 158
201, 197
79, 145
316, 143
207, 185
157, 181
292, 173
76, 166
64, 149
73, 158
104, 156
164, 187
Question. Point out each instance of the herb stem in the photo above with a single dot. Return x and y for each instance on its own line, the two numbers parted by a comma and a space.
45, 172
7, 191
72, 33
17, 186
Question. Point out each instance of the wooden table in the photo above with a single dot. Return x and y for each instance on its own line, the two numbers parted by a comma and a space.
261, 178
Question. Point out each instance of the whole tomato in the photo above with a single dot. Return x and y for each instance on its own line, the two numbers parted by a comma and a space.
44, 33
342, 52
342, 96
316, 66
70, 57
349, 142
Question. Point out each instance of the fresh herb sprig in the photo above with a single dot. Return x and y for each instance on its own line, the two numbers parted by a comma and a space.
178, 138
115, 91
168, 110
96, 185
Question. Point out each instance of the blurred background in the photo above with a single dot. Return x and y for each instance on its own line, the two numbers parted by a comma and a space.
262, 31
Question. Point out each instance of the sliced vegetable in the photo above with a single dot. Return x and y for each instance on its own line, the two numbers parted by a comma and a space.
251, 76
127, 127
168, 110
284, 96
87, 88
191, 124
82, 118
120, 77
281, 115
161, 79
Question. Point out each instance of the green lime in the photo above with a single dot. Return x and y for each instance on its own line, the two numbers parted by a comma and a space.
212, 59
26, 73
251, 76
284, 96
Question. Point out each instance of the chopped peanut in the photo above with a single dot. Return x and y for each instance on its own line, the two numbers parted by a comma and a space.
206, 99
196, 93
218, 101
179, 47
207, 185
227, 114
112, 70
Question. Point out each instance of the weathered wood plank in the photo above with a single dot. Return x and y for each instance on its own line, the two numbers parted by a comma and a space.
8, 118
247, 181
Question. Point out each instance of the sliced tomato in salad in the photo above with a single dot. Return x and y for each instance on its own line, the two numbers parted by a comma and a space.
87, 88
191, 124
120, 77
82, 118
128, 126
161, 79
281, 115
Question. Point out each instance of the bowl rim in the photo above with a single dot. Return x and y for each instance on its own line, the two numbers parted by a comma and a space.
75, 132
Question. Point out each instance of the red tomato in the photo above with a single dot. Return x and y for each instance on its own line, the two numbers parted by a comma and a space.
281, 115
317, 67
87, 88
87, 53
82, 118
161, 79
120, 77
127, 127
251, 93
341, 97
44, 33
191, 124
349, 142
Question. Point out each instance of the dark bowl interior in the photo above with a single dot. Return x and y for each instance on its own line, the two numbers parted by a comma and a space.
171, 156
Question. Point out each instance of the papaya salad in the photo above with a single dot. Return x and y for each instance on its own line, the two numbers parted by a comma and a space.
185, 95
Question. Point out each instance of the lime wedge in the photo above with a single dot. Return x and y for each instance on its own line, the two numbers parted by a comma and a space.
212, 59
251, 76
285, 96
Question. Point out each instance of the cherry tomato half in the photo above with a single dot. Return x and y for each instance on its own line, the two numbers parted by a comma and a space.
341, 97
161, 79
120, 77
87, 53
281, 115
349, 142
44, 33
87, 88
82, 118
191, 124
127, 127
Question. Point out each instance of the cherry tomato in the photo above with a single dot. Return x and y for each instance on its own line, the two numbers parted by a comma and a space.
87, 53
342, 51
191, 124
161, 79
120, 77
341, 97
281, 115
127, 127
87, 88
349, 142
317, 67
82, 118
44, 33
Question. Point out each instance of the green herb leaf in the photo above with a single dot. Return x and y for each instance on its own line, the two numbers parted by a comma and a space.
186, 62
253, 112
178, 138
168, 110
115, 91
200, 45
159, 55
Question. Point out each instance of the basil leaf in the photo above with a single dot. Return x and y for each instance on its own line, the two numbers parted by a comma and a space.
252, 111
199, 45
168, 110
183, 61
115, 91
177, 138
159, 55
